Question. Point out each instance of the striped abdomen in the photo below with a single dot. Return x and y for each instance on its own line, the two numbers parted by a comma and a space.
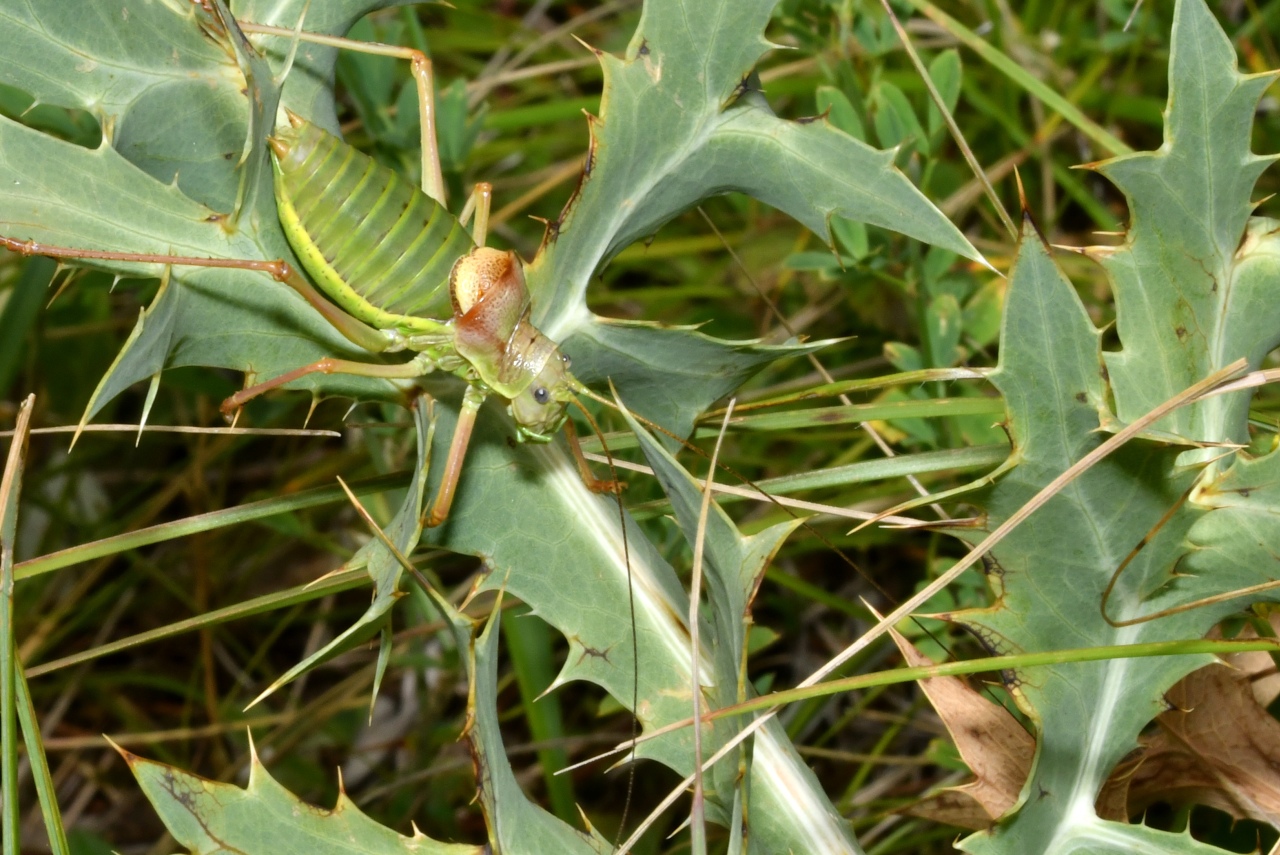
378, 246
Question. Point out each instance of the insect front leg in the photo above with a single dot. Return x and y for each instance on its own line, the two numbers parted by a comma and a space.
592, 483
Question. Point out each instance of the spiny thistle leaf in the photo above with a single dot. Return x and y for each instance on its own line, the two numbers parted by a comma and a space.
515, 824
264, 818
1194, 280
1189, 288
733, 568
677, 119
680, 116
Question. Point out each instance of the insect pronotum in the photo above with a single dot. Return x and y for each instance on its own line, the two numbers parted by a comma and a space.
393, 270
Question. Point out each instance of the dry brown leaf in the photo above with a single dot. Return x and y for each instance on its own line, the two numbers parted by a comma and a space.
1259, 666
1218, 747
992, 742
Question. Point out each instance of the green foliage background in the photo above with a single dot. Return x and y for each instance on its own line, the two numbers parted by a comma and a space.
911, 307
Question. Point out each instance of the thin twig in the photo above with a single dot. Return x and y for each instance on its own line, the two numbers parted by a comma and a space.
231, 431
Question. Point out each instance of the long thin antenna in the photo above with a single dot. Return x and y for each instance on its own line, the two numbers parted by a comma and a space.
631, 605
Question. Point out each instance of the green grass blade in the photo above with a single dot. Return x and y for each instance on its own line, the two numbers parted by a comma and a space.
1023, 78
204, 522
43, 778
344, 581
19, 316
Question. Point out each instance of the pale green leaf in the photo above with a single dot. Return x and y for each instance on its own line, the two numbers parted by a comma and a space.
733, 568
945, 72
680, 115
671, 375
264, 818
839, 110
516, 825
895, 120
1054, 567
1189, 284
556, 546
943, 324
1193, 281
559, 548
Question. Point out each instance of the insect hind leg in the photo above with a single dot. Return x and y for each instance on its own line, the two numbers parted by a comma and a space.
420, 66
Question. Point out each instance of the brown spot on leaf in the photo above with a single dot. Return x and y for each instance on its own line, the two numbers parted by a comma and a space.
593, 653
589, 162
587, 166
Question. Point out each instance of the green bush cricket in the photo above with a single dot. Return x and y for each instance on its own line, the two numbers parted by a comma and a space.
391, 269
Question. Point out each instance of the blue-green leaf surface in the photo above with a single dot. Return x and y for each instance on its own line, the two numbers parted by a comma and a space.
263, 818
1190, 284
1194, 279
680, 120
782, 793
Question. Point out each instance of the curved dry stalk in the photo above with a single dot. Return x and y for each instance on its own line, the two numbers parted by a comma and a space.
697, 817
1133, 553
1196, 604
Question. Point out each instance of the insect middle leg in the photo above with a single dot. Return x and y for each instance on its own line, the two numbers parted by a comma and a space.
416, 367
439, 511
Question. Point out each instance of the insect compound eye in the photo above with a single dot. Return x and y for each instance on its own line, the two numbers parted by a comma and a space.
568, 363
541, 395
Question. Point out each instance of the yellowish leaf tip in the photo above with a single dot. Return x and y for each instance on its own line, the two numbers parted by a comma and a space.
595, 51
